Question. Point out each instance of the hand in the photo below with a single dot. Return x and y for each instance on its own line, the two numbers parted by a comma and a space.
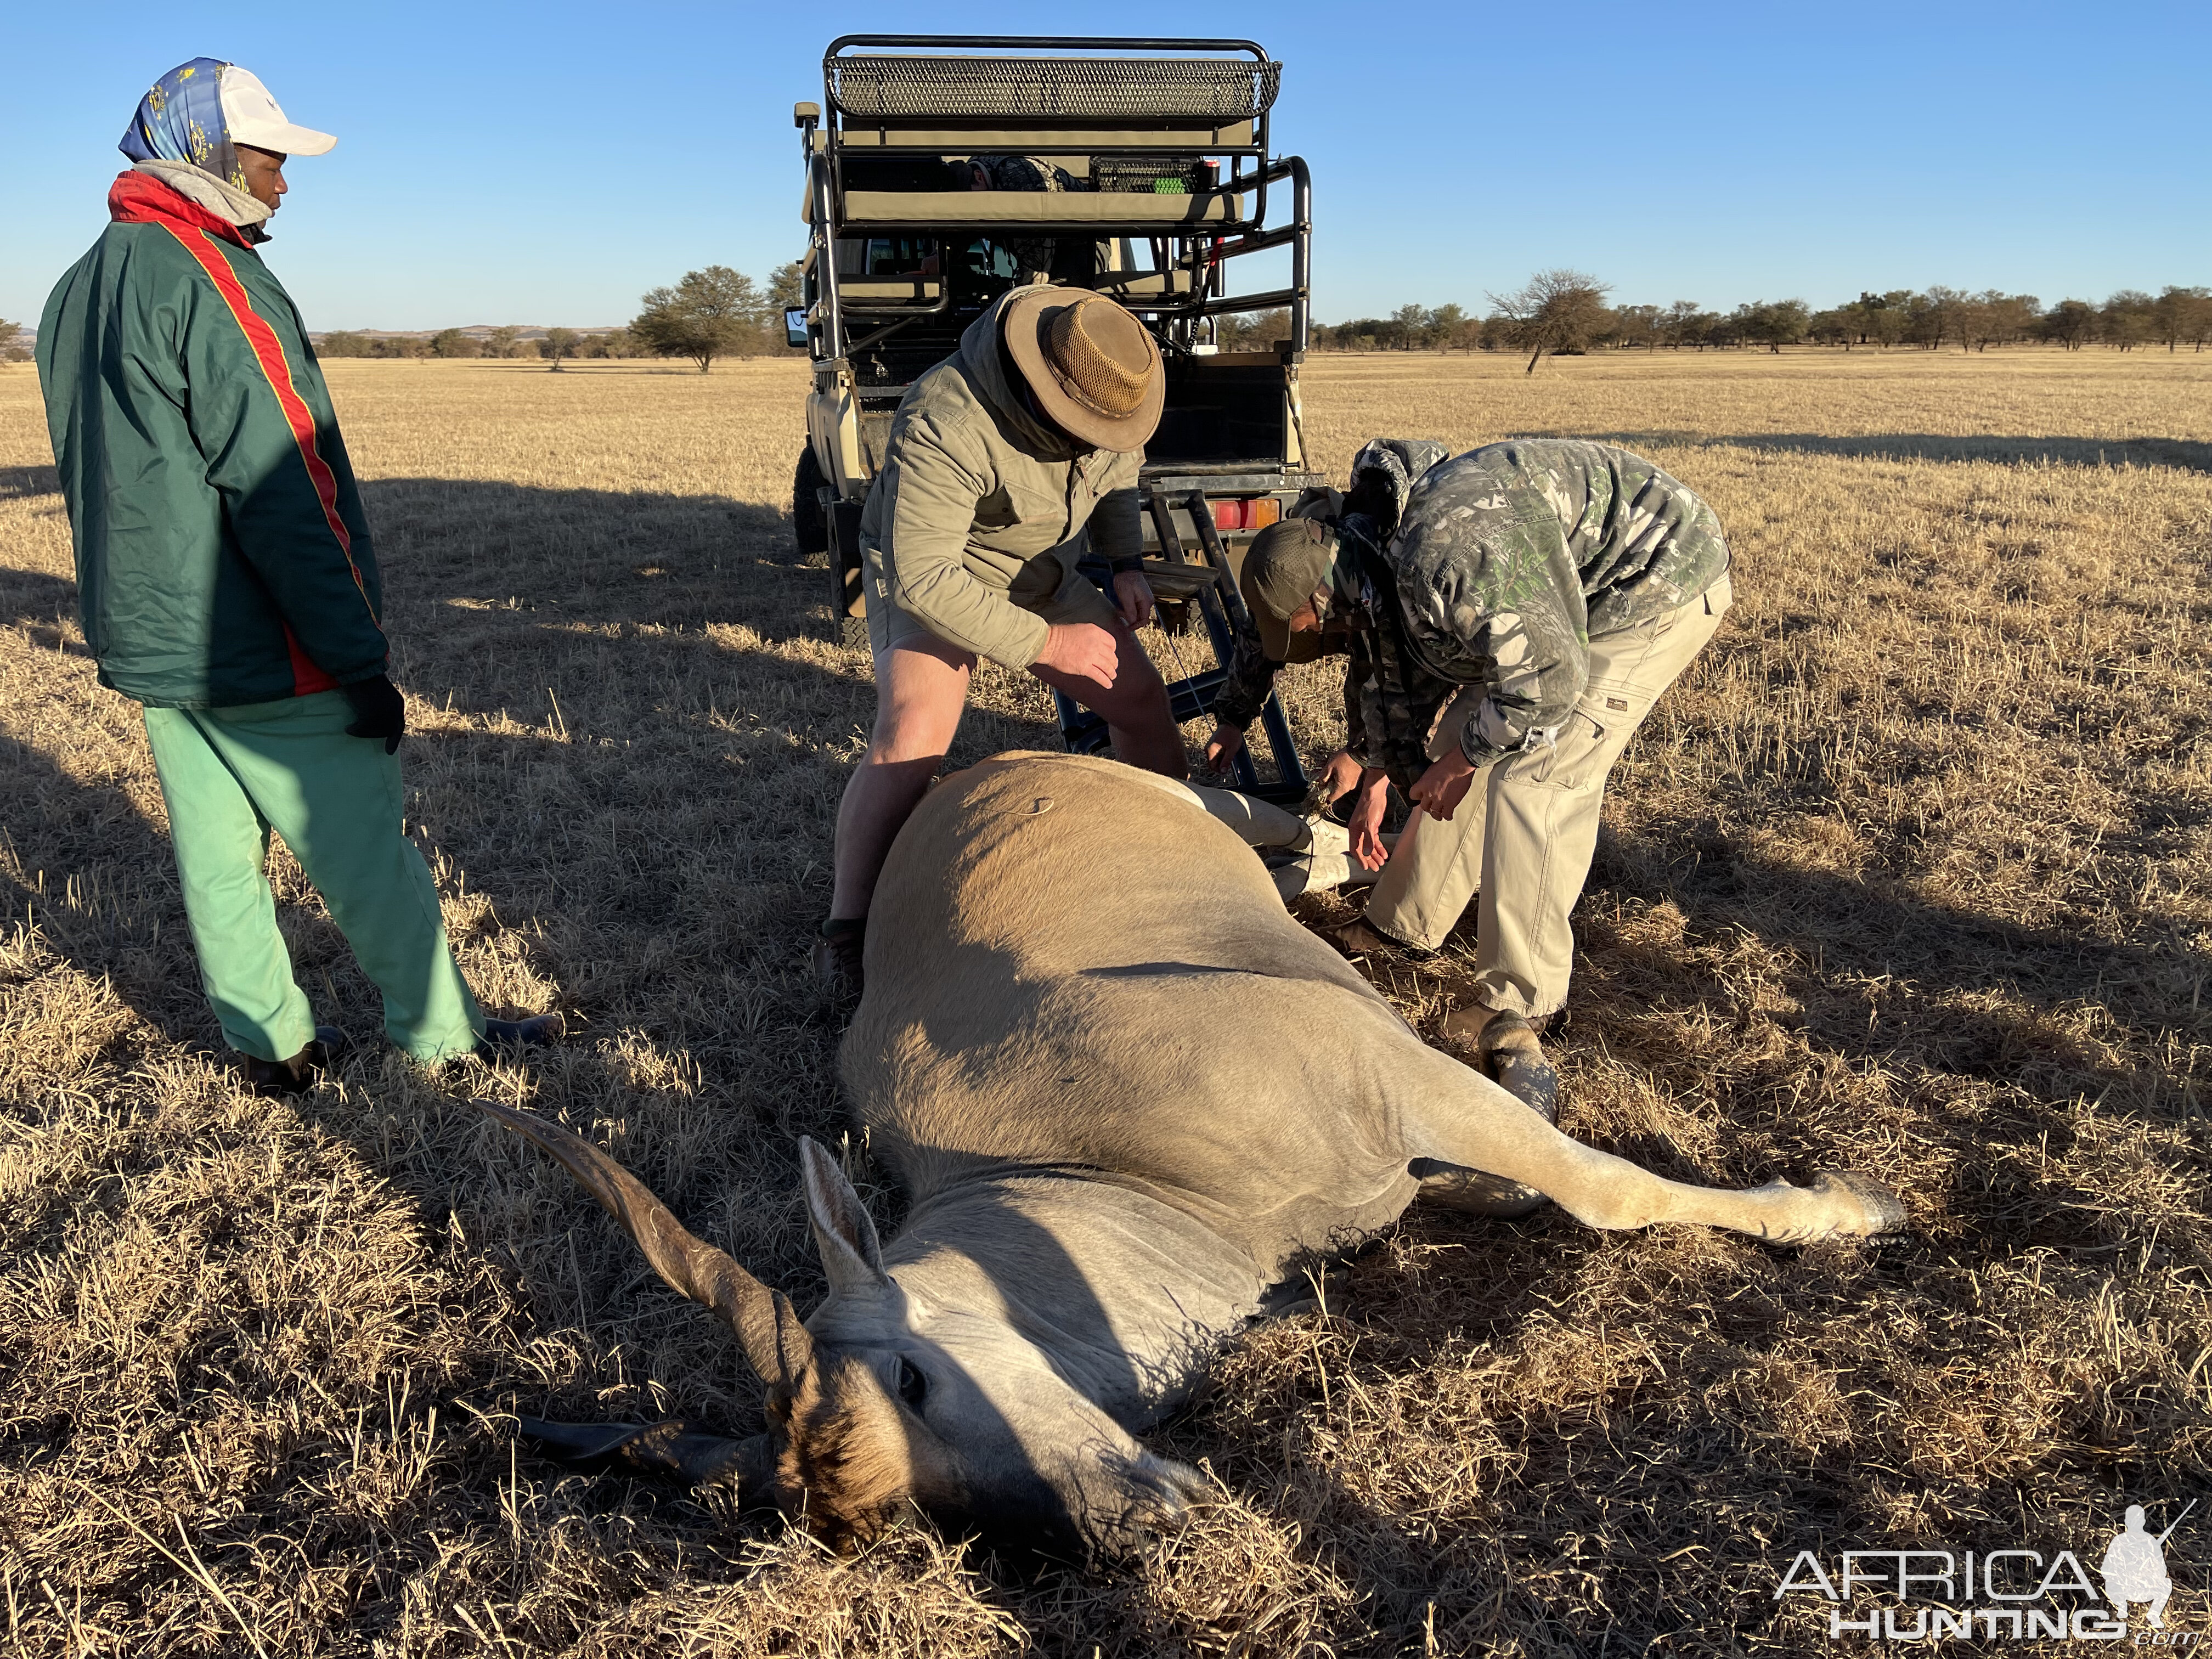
1367, 820
1222, 748
379, 712
1133, 598
1339, 777
1083, 650
1443, 786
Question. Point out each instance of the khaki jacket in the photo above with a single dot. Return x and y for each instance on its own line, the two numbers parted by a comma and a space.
979, 510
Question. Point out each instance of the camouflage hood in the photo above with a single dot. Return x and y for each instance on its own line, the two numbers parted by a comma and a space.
1382, 477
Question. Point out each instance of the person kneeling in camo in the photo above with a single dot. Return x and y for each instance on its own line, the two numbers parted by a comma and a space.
227, 583
1535, 600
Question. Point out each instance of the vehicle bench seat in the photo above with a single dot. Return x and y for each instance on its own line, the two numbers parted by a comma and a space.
927, 208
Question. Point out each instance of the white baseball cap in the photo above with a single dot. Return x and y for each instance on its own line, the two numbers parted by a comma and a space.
253, 119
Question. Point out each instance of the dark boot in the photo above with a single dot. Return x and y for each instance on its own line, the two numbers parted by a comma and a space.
281, 1079
837, 959
506, 1037
1357, 938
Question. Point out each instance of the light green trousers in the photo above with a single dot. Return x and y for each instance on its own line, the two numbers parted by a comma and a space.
1526, 833
231, 775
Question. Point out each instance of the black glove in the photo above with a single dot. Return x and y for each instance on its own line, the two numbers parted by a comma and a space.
379, 712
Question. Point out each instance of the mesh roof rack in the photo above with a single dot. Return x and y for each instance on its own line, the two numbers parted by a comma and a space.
1208, 90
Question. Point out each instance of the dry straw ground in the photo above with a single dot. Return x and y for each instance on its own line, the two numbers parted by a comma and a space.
1909, 874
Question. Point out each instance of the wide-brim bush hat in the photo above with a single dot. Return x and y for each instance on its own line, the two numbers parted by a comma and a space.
1094, 369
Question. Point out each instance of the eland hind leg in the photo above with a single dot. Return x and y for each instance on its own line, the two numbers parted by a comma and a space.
1454, 1115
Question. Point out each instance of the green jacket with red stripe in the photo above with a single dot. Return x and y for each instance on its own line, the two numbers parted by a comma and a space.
221, 553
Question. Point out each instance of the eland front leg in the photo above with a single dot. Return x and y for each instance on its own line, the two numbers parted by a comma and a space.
1455, 1116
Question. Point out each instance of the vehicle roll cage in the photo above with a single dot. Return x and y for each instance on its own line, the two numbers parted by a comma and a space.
913, 96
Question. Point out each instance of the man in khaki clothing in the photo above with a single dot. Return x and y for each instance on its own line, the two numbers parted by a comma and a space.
1534, 601
1000, 461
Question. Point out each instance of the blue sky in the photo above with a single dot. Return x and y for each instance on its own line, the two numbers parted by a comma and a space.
547, 163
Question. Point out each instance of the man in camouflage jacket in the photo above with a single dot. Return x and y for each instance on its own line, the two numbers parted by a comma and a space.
1535, 600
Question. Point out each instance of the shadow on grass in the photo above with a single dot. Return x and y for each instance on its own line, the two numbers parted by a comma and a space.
20, 483
1881, 974
2189, 455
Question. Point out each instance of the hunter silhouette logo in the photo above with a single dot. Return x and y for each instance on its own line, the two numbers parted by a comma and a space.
2134, 1567
1923, 1594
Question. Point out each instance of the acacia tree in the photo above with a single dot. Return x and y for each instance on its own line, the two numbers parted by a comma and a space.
1775, 322
1637, 325
709, 314
2069, 322
2125, 319
558, 343
499, 343
2182, 313
1559, 310
1686, 323
10, 351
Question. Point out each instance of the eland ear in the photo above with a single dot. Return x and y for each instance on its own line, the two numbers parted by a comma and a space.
842, 1231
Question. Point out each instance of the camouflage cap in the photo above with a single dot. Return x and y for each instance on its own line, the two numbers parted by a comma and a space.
1287, 563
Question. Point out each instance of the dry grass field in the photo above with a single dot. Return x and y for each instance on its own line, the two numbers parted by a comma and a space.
1911, 874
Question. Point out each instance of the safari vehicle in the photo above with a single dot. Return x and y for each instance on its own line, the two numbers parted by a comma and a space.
1153, 171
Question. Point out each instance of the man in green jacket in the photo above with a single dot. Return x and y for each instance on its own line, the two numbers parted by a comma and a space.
227, 583
1001, 461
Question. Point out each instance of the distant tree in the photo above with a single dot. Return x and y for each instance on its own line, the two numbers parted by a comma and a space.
500, 342
11, 350
1993, 317
2070, 323
1253, 331
558, 343
1444, 328
1684, 323
1557, 310
786, 289
1367, 334
710, 313
451, 343
1413, 322
344, 343
2126, 319
2182, 313
1637, 325
1841, 325
609, 343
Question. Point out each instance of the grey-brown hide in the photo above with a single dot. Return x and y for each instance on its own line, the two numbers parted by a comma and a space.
1126, 1093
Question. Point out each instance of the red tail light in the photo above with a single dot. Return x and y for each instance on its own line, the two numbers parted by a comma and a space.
1251, 513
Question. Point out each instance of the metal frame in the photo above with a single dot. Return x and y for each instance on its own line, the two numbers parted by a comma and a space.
1183, 321
1202, 250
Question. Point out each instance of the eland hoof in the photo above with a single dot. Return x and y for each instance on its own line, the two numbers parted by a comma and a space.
1882, 1211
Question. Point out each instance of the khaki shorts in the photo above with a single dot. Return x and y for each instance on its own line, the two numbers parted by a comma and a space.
1078, 599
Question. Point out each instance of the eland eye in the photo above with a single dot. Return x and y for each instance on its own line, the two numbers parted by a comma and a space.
913, 1386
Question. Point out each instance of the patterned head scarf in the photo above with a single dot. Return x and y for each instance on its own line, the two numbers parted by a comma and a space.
181, 119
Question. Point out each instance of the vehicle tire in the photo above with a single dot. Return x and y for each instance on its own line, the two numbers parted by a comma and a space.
853, 631
808, 527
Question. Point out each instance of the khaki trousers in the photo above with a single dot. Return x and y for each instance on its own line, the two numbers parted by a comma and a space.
1525, 832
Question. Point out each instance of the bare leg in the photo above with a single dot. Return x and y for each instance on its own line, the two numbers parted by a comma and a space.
1457, 1117
1134, 708
921, 688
